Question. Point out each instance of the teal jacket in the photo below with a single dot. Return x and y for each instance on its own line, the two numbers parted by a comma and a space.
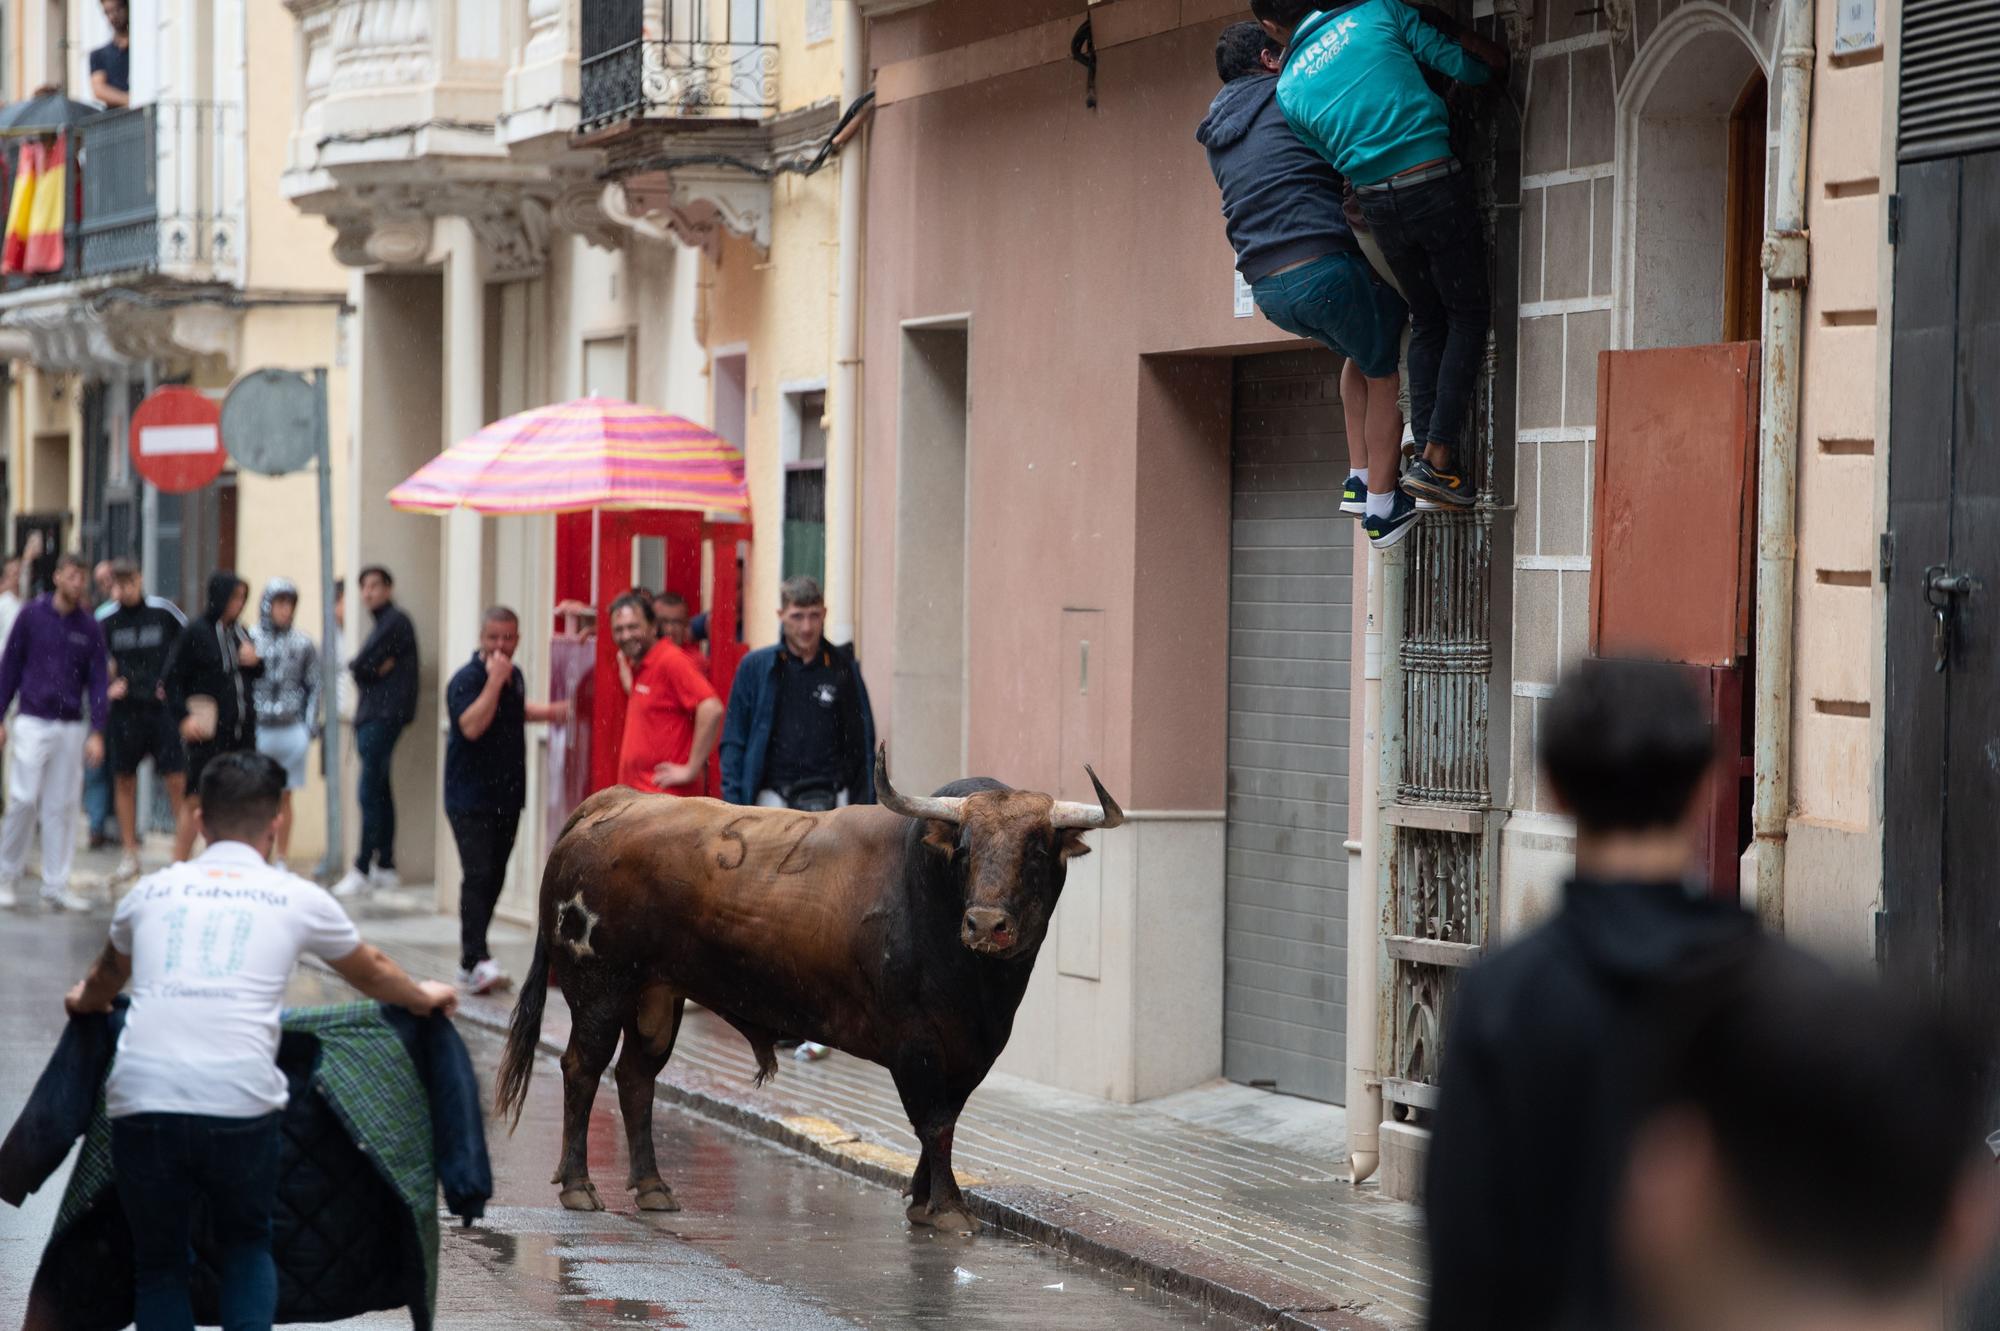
1352, 89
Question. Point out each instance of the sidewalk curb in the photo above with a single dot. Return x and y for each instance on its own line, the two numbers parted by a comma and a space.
1051, 1219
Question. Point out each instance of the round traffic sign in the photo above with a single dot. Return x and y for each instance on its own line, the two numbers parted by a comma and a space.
270, 422
177, 439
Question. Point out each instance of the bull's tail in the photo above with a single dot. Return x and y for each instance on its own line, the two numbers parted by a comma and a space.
517, 1065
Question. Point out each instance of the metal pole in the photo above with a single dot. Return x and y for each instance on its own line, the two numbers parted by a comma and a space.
329, 658
149, 560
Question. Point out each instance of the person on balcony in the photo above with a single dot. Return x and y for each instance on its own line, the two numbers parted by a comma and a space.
111, 63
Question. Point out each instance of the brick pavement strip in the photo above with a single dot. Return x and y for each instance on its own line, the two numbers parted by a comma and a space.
1250, 1229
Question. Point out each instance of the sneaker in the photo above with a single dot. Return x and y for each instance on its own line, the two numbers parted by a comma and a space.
486, 977
808, 1052
1385, 532
384, 880
62, 898
1409, 441
1447, 489
127, 870
7, 899
1354, 495
353, 885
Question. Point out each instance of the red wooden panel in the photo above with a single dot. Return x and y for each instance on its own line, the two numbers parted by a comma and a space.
1675, 503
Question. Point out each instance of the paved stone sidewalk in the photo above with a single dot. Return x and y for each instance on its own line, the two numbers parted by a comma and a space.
1258, 1229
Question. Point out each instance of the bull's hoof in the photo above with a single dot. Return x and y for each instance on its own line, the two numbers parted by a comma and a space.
950, 1220
581, 1197
657, 1196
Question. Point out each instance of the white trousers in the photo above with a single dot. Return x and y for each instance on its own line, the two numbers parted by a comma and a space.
771, 799
45, 774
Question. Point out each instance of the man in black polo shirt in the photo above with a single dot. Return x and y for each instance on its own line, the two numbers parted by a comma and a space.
486, 782
111, 63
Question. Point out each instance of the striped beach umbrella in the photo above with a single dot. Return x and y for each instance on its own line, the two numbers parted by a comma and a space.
594, 452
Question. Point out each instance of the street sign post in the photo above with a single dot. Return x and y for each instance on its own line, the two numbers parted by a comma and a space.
177, 439
274, 422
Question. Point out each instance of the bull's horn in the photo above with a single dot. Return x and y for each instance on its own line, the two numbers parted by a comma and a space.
1105, 813
946, 809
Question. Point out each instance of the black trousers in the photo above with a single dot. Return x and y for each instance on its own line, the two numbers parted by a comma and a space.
485, 843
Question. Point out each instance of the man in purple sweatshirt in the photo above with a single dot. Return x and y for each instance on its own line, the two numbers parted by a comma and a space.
54, 663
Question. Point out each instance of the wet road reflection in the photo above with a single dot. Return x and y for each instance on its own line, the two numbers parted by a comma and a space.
768, 1240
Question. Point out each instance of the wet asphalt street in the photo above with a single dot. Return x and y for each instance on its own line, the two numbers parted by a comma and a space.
767, 1240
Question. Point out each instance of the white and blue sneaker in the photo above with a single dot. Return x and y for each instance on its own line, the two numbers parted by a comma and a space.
1384, 532
1354, 495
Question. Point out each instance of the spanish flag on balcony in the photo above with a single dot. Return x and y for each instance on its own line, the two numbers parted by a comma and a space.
34, 239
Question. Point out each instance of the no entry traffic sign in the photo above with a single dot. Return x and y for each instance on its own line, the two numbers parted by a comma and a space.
177, 440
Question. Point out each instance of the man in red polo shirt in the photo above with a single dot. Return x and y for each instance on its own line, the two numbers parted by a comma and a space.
672, 717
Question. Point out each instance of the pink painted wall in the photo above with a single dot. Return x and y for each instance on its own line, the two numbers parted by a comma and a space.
1077, 243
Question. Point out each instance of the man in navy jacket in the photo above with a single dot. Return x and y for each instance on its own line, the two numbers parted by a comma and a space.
799, 733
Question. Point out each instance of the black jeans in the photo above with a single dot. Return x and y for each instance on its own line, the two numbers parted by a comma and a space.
165, 1163
1435, 242
485, 842
376, 742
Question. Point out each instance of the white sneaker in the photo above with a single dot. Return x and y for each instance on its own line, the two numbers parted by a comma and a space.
128, 869
808, 1052
353, 885
486, 977
62, 898
7, 898
384, 880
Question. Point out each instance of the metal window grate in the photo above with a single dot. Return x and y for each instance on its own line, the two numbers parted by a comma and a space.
1950, 95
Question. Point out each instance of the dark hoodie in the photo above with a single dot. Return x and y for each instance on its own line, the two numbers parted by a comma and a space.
1537, 1101
1281, 201
204, 662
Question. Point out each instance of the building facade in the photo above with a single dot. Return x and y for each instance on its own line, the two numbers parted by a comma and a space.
1095, 530
175, 270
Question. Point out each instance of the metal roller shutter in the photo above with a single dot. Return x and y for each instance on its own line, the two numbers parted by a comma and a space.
1285, 946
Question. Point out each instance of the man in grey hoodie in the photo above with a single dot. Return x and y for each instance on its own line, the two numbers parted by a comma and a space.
1282, 205
287, 696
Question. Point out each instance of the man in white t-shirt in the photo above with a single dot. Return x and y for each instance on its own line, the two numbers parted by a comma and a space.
194, 1093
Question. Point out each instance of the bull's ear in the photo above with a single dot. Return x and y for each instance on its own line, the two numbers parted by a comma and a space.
1072, 844
940, 835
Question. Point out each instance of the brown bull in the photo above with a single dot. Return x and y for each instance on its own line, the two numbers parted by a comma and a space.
903, 933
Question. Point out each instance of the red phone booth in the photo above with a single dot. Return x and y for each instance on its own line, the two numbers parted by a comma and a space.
597, 562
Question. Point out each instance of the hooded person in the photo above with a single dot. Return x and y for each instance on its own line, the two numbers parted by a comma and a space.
1284, 209
286, 695
210, 680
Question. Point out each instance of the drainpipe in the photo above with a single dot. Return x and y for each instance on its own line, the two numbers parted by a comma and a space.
1364, 1085
1786, 260
841, 448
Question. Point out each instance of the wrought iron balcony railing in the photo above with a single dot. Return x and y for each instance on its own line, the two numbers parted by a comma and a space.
679, 80
152, 188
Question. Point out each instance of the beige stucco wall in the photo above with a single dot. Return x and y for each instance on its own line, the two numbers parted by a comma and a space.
1834, 865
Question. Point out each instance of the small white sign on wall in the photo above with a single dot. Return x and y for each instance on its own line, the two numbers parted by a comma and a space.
819, 21
1854, 27
1246, 303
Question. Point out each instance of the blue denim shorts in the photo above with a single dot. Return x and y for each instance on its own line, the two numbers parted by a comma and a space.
1339, 302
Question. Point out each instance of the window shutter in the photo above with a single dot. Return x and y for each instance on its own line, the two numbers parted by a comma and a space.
1950, 97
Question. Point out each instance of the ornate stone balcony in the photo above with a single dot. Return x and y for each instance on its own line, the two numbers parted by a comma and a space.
410, 110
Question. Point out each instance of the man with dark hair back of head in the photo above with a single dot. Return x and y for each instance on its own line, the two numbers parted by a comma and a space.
194, 1094
486, 782
55, 665
673, 715
386, 677
1535, 1060
1808, 1157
